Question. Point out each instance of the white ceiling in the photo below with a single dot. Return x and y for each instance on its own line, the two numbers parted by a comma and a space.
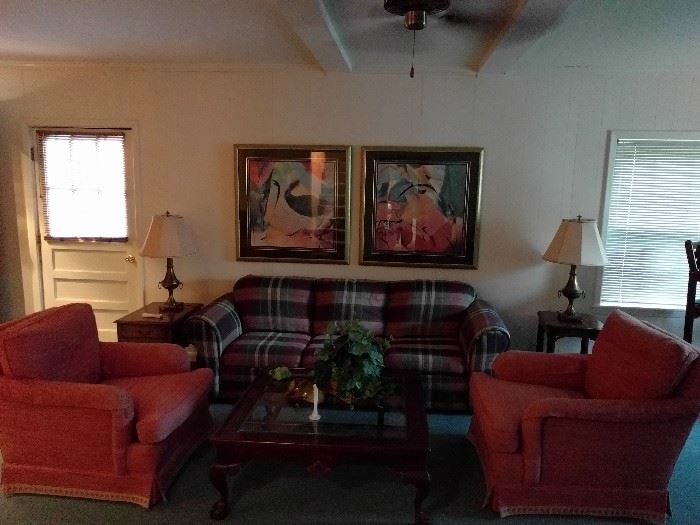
356, 35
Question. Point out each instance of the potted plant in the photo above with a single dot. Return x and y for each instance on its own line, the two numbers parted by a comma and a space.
350, 363
282, 379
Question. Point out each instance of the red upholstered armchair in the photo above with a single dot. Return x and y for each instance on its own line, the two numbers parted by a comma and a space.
79, 417
578, 434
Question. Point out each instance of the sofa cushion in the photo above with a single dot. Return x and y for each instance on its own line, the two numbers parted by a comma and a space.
162, 403
308, 360
266, 349
427, 308
274, 303
634, 360
500, 405
62, 346
443, 356
338, 300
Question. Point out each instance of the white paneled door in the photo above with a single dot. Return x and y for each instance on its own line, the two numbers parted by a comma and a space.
86, 241
102, 274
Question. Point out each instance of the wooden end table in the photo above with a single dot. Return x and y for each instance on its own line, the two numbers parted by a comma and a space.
170, 328
553, 328
265, 425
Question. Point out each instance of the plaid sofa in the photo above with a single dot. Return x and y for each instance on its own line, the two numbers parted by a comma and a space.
437, 327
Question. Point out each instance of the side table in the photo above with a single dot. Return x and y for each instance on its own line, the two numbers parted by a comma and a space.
170, 328
550, 326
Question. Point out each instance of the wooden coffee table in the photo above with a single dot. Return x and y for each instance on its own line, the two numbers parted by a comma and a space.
265, 424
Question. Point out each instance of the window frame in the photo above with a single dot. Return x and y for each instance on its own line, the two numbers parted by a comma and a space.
656, 311
40, 184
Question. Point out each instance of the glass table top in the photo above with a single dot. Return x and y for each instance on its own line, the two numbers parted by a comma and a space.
288, 414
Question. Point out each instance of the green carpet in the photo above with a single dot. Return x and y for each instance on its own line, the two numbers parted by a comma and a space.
285, 494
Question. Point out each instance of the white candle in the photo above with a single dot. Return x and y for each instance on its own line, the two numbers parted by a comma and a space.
315, 416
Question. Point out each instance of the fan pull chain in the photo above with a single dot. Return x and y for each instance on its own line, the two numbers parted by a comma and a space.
413, 51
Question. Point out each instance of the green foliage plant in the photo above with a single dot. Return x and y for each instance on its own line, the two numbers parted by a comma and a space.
351, 362
281, 373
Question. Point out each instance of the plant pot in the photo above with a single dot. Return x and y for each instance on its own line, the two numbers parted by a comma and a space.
285, 385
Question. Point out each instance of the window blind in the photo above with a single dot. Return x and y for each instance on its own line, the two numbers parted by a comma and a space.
652, 208
83, 185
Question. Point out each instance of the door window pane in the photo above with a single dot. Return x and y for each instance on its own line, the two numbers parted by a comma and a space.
83, 185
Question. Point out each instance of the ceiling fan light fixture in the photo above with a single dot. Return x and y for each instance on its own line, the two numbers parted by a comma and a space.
401, 7
415, 20
415, 15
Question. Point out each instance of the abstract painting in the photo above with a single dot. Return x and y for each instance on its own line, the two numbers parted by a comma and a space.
421, 206
293, 203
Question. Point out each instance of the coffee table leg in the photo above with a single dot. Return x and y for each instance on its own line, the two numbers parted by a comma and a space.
217, 475
421, 480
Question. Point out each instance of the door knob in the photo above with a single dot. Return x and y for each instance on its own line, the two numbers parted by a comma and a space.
130, 258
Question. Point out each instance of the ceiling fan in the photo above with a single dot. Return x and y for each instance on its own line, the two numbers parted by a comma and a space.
415, 16
415, 12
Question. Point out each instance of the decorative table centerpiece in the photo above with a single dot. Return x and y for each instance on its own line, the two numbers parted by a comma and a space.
282, 379
350, 363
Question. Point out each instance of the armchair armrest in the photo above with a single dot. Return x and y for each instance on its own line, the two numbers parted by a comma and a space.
42, 419
614, 410
555, 370
483, 335
623, 443
142, 359
212, 329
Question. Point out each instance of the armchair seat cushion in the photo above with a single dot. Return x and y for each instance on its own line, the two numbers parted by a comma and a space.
266, 349
427, 355
163, 403
500, 406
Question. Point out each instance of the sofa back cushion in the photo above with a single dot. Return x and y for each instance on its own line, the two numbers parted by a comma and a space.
427, 308
60, 345
634, 360
347, 299
282, 304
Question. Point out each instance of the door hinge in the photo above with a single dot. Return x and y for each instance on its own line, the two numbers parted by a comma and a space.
31, 153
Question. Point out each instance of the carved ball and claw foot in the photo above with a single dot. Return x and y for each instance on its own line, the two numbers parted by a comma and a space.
420, 480
217, 475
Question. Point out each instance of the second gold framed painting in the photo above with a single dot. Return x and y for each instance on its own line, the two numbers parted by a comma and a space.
293, 203
421, 206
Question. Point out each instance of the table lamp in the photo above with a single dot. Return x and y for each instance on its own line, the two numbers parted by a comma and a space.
577, 242
168, 236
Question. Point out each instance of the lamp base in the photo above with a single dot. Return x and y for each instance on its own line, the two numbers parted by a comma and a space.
171, 307
571, 291
568, 318
170, 282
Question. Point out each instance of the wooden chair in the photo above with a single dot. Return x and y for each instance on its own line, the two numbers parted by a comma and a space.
692, 307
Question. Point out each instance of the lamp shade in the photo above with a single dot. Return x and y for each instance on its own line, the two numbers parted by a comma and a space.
168, 236
578, 242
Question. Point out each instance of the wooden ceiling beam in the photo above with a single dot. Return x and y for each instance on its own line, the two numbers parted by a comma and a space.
524, 23
312, 26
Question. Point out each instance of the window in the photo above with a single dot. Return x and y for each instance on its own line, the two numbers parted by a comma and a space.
83, 184
651, 209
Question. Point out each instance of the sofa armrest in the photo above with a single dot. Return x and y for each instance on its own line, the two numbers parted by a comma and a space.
554, 370
42, 419
625, 443
483, 335
211, 330
142, 359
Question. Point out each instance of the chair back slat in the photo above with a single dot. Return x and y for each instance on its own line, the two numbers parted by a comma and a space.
692, 252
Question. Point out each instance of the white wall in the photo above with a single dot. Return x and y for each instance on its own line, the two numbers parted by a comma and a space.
544, 136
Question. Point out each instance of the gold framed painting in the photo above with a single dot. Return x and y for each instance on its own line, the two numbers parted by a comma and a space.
421, 206
293, 203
